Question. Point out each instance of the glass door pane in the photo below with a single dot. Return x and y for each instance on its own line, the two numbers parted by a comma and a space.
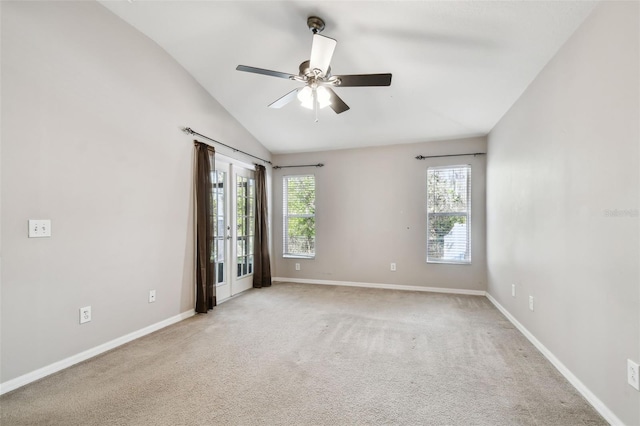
220, 224
245, 225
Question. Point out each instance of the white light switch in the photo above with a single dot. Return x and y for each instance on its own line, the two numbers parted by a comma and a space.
39, 228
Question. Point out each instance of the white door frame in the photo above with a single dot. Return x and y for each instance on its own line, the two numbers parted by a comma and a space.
231, 284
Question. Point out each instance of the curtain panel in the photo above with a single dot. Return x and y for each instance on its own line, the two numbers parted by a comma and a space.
205, 262
262, 262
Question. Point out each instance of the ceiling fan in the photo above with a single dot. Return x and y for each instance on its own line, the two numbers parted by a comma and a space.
316, 74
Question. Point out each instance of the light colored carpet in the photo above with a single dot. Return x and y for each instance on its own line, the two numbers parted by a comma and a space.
299, 354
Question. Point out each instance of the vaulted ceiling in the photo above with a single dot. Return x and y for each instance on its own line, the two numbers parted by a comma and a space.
457, 66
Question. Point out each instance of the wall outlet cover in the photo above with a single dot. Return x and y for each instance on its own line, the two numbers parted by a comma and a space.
531, 303
85, 314
632, 374
393, 266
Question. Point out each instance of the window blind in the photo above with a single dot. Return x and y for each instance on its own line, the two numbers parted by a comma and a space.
299, 214
449, 214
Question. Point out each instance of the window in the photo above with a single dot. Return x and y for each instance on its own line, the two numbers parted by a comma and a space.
299, 214
245, 225
218, 222
449, 214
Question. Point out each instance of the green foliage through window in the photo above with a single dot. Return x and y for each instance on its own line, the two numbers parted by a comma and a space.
448, 214
299, 212
245, 225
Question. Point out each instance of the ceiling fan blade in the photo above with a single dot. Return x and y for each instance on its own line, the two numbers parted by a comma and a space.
285, 99
264, 72
337, 104
364, 80
321, 52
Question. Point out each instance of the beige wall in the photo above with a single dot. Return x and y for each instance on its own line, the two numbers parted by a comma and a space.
560, 162
371, 211
91, 117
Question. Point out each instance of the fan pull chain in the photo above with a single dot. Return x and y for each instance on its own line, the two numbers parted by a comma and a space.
316, 107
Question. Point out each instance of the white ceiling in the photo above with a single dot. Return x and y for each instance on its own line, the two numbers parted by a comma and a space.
457, 66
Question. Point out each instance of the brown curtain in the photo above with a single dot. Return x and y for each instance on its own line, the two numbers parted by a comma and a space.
205, 262
262, 264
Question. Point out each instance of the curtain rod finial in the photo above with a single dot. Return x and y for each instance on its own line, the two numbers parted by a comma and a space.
187, 130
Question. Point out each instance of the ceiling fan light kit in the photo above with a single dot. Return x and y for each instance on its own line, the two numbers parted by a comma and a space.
317, 93
309, 97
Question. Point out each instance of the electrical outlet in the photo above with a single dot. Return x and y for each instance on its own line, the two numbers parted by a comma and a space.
85, 314
393, 266
152, 296
632, 374
297, 266
531, 303
513, 290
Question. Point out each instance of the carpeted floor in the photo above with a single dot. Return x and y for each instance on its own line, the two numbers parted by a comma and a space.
315, 355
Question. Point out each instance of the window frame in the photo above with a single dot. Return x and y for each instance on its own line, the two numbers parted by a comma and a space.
467, 214
285, 218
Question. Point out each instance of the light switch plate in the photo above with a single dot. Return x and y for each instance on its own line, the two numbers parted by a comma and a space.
39, 228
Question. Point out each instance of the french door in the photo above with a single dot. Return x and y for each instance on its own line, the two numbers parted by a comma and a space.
234, 219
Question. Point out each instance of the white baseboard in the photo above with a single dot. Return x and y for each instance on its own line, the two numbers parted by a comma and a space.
385, 286
90, 353
604, 411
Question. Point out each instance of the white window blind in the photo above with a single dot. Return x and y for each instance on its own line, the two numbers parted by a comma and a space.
449, 214
299, 214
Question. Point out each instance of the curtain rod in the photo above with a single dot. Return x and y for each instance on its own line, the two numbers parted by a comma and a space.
302, 165
191, 132
422, 157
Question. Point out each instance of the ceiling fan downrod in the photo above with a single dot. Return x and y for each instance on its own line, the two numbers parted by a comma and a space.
315, 24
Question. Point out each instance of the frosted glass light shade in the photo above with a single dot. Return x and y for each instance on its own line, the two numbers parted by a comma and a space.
305, 96
324, 97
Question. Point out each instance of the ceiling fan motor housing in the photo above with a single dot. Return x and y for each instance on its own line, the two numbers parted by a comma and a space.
305, 70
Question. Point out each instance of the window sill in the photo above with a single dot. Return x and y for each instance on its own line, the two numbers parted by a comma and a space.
447, 262
293, 256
